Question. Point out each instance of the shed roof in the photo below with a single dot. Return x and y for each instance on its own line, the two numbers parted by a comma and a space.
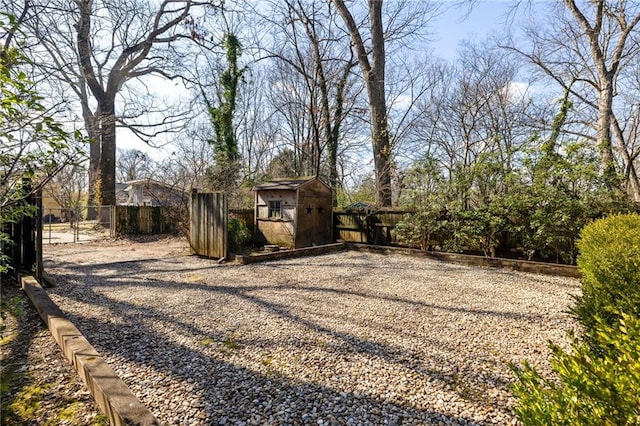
286, 183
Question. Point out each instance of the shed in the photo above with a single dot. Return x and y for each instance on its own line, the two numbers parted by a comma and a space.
294, 212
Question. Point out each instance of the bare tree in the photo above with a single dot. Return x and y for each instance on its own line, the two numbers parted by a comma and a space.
96, 49
586, 49
369, 43
312, 54
187, 166
132, 164
69, 187
475, 112
258, 125
372, 64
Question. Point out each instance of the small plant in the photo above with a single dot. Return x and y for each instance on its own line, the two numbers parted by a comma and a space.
231, 343
238, 234
14, 306
208, 341
591, 388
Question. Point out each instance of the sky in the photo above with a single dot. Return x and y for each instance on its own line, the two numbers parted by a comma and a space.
458, 23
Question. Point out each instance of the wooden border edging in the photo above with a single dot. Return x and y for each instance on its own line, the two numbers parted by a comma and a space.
462, 259
110, 392
287, 254
468, 259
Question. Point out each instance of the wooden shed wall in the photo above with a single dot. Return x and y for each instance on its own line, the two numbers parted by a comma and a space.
314, 215
279, 231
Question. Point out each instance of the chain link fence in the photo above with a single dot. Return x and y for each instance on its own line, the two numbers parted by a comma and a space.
77, 225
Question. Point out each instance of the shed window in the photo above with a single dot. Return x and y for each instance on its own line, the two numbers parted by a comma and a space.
275, 208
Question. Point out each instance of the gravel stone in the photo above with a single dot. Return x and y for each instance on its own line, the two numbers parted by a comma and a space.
341, 339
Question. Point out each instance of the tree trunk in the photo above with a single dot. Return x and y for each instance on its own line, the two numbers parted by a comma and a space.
374, 75
377, 103
94, 173
108, 154
603, 135
94, 159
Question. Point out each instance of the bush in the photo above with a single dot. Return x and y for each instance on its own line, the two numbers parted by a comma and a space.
238, 234
609, 260
598, 382
592, 388
481, 227
420, 229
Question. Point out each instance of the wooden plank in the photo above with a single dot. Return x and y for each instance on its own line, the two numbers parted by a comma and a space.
208, 224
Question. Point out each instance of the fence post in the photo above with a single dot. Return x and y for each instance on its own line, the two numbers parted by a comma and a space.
113, 225
28, 230
39, 266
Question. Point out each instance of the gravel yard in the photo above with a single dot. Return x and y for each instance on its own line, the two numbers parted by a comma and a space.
344, 338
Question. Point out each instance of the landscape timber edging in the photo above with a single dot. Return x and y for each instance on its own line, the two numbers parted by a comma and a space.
287, 254
468, 259
113, 396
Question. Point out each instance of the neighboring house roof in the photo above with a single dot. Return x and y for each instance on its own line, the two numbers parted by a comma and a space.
149, 183
121, 196
132, 192
286, 183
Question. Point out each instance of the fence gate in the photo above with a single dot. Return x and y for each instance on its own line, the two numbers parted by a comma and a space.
208, 224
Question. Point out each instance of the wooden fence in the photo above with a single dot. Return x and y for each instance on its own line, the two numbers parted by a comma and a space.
367, 226
208, 224
140, 220
23, 250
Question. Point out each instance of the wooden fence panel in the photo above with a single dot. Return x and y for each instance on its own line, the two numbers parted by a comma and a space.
367, 226
208, 224
24, 246
140, 220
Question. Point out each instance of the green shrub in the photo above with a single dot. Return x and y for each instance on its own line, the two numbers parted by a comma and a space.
609, 260
481, 227
238, 234
420, 228
591, 388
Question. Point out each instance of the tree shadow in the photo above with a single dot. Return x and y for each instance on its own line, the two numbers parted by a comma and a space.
220, 388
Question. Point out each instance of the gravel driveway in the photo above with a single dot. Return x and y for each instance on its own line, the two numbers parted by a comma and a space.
344, 338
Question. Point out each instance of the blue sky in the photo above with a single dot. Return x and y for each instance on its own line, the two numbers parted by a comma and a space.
455, 25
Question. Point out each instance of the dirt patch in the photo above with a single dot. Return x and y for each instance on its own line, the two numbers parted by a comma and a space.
39, 387
118, 250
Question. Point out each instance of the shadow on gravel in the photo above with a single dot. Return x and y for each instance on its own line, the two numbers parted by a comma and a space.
14, 348
224, 392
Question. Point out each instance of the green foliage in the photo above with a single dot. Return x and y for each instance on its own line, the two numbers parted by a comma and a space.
540, 203
598, 381
591, 388
13, 306
364, 192
238, 234
224, 142
422, 194
481, 227
34, 145
420, 229
610, 264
